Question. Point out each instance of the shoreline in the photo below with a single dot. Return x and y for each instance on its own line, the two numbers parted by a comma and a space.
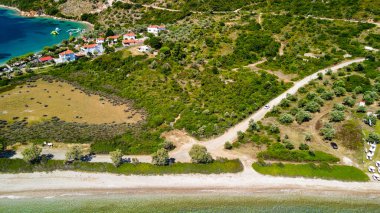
34, 185
88, 25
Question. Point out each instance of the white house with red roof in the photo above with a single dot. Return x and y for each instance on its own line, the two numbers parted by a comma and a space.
99, 40
129, 36
94, 49
156, 29
127, 43
45, 59
112, 39
66, 56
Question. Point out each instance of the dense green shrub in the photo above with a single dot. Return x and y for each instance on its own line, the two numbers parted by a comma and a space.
286, 118
336, 116
199, 154
277, 151
327, 132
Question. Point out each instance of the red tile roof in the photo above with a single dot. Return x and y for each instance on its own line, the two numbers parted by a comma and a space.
101, 39
156, 26
113, 37
130, 34
87, 46
67, 52
44, 59
131, 41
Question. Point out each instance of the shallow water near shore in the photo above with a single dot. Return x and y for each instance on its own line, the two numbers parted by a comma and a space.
21, 35
188, 203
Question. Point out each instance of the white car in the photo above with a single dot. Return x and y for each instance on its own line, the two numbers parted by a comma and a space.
266, 107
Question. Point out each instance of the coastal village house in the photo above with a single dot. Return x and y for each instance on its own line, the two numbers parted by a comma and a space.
129, 36
99, 40
45, 59
145, 48
66, 56
112, 39
155, 29
127, 43
92, 48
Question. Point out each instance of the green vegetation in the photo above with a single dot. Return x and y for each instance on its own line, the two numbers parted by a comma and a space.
116, 157
32, 154
278, 151
207, 105
199, 154
323, 171
74, 153
351, 135
327, 45
327, 131
217, 167
161, 157
345, 9
49, 7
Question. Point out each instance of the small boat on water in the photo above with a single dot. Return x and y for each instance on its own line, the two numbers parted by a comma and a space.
57, 29
54, 32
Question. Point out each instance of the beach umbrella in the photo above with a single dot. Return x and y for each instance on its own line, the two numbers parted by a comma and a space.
371, 169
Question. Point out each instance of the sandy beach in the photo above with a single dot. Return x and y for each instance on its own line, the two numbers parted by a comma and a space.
60, 182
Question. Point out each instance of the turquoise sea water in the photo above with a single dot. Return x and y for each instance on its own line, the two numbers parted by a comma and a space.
190, 203
21, 35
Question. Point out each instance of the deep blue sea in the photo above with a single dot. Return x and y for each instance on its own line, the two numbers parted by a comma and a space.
21, 35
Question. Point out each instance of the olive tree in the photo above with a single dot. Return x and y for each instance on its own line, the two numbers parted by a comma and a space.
303, 116
327, 95
286, 118
161, 157
373, 138
253, 126
336, 116
339, 91
274, 129
349, 101
361, 109
116, 157
328, 132
32, 153
199, 154
370, 120
74, 153
312, 106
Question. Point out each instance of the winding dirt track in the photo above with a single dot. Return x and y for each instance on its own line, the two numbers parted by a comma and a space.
215, 145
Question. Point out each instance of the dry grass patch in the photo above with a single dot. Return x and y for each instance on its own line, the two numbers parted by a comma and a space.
42, 100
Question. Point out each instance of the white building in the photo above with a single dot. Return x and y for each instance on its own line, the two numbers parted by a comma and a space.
112, 39
155, 29
99, 40
66, 56
145, 48
92, 48
129, 36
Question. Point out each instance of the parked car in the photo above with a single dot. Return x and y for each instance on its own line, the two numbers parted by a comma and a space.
334, 145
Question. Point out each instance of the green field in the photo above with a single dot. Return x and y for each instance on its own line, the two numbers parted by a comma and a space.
217, 167
323, 171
